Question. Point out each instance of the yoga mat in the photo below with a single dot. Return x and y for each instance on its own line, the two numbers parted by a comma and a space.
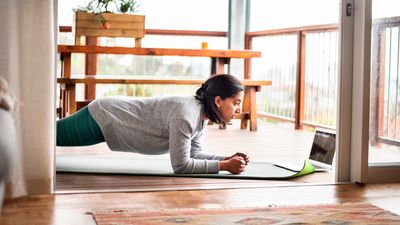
162, 167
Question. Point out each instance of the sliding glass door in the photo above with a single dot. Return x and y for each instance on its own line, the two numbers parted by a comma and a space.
369, 96
384, 135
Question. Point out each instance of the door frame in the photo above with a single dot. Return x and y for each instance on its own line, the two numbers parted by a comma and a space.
354, 99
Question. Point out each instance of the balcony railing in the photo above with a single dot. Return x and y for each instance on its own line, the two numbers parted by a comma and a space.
302, 62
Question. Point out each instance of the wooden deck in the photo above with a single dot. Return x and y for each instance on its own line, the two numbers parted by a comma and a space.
271, 143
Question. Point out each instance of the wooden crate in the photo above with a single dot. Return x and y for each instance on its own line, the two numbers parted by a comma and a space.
121, 25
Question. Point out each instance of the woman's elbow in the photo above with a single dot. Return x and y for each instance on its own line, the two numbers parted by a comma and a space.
184, 168
180, 170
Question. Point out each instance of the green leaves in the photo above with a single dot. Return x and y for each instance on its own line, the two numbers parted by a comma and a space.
112, 6
128, 6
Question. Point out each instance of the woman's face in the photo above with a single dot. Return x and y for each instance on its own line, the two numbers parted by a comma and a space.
230, 106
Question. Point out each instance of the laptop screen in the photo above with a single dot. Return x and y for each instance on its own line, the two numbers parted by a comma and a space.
323, 147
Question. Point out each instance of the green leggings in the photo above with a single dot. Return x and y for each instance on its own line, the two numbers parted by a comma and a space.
78, 129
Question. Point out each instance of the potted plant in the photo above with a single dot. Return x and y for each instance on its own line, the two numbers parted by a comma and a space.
109, 18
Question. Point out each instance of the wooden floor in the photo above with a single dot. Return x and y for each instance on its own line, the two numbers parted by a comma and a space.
75, 208
79, 194
271, 143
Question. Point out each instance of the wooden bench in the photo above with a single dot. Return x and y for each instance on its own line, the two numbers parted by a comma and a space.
69, 105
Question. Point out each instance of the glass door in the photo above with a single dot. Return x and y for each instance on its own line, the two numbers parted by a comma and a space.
369, 86
384, 127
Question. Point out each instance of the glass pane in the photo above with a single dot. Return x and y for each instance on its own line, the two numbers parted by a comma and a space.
279, 29
186, 15
317, 21
385, 83
272, 14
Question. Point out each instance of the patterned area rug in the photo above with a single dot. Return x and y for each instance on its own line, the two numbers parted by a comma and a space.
332, 214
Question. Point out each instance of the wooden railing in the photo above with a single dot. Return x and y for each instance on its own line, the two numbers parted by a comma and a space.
289, 98
304, 90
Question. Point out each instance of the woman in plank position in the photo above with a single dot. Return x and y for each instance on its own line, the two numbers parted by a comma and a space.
160, 125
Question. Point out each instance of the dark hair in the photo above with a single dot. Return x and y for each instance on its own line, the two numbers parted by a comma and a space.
223, 85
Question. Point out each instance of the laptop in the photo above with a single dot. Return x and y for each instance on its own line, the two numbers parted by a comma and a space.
321, 154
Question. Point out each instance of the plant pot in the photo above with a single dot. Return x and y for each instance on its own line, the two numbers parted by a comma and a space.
120, 25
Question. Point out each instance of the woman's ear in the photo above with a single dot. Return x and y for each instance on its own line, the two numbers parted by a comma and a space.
218, 101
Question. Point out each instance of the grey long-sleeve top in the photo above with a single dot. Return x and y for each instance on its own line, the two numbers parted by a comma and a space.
155, 126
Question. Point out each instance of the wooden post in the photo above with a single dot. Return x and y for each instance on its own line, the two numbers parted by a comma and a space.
62, 103
253, 108
65, 59
65, 64
71, 98
245, 108
138, 42
218, 65
91, 68
247, 62
300, 79
249, 96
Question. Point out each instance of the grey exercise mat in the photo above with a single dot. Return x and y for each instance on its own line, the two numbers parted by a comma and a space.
162, 167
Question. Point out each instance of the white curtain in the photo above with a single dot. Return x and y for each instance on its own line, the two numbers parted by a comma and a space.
27, 62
